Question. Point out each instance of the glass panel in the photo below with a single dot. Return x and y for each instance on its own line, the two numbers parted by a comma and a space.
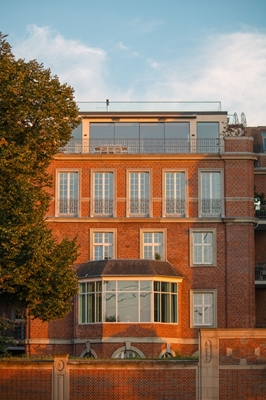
90, 308
109, 286
126, 130
157, 286
207, 130
82, 309
77, 132
157, 307
127, 307
145, 307
177, 130
165, 307
98, 308
174, 287
102, 131
165, 286
173, 308
145, 285
128, 286
151, 130
110, 307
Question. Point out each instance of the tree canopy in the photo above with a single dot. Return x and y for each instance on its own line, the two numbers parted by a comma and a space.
37, 116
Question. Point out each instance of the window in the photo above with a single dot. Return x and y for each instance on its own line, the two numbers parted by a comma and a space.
130, 352
203, 308
103, 194
102, 244
203, 247
90, 302
210, 203
153, 244
174, 194
128, 301
208, 137
139, 194
68, 194
263, 134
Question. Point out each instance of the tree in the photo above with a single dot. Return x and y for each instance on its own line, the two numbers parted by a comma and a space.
37, 116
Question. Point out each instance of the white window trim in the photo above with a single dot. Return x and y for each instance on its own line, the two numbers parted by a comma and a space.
200, 171
103, 230
214, 248
164, 172
57, 188
93, 171
129, 171
214, 293
144, 230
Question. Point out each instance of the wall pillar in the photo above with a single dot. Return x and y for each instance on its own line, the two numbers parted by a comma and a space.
60, 378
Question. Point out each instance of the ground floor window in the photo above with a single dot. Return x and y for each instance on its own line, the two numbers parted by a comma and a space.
128, 301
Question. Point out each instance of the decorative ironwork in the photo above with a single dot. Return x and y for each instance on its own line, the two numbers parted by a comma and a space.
211, 207
143, 146
260, 274
139, 207
68, 207
103, 207
207, 351
175, 207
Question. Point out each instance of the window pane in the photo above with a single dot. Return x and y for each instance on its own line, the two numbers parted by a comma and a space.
102, 131
165, 307
208, 130
157, 317
127, 307
151, 130
127, 285
145, 307
126, 130
176, 130
110, 307
173, 308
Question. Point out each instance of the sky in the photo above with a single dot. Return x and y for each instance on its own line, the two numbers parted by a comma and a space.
148, 50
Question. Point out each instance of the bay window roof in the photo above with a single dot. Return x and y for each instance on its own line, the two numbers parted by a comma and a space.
127, 267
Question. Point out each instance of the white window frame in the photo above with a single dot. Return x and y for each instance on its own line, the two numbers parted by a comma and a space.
153, 244
104, 230
104, 172
200, 197
214, 248
193, 307
164, 208
139, 171
57, 191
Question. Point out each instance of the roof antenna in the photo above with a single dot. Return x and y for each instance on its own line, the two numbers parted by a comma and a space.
107, 104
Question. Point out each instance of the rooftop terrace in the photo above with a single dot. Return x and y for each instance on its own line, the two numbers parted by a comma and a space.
149, 106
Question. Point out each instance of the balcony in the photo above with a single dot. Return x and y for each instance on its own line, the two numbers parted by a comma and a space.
68, 207
144, 146
103, 208
149, 106
139, 207
260, 276
175, 207
211, 207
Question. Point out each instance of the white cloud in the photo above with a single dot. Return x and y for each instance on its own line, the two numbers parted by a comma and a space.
80, 66
230, 68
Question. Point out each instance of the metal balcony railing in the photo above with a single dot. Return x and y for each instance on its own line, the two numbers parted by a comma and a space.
149, 106
17, 333
68, 207
139, 207
103, 207
143, 146
260, 213
260, 274
211, 207
175, 207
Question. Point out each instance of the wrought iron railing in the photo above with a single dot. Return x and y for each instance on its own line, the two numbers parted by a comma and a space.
139, 207
103, 207
17, 332
260, 274
68, 207
260, 213
143, 146
175, 207
211, 207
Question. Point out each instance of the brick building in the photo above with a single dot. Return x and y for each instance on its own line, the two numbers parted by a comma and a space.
162, 204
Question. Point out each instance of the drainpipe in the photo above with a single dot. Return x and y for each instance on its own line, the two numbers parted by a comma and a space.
199, 366
27, 333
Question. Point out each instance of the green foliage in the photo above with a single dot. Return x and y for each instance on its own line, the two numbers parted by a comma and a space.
6, 341
37, 116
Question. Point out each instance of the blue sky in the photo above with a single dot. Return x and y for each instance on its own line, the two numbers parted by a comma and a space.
148, 50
